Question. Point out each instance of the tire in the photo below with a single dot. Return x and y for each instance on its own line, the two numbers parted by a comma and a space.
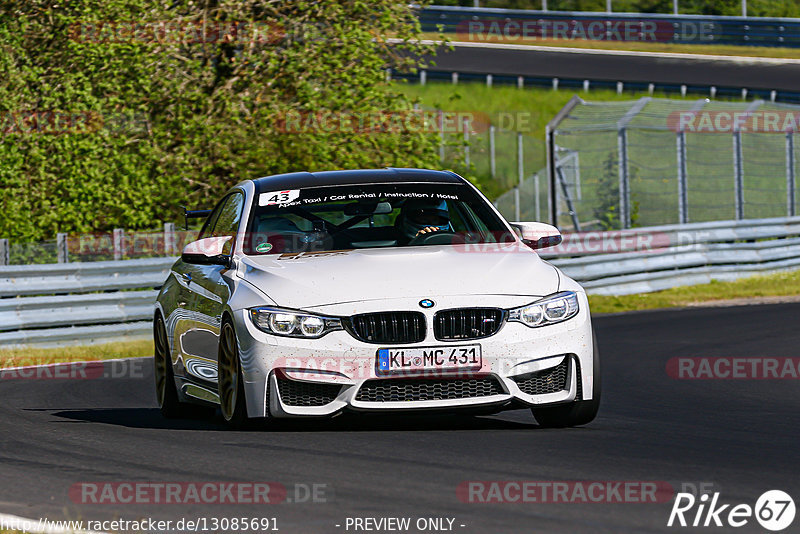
577, 413
166, 393
231, 383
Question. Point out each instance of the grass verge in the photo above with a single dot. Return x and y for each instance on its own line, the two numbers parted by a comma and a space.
636, 46
772, 285
107, 351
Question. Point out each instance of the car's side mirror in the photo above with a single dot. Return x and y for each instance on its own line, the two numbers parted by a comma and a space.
208, 251
537, 235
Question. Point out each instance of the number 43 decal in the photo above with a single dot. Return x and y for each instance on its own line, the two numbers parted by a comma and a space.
278, 197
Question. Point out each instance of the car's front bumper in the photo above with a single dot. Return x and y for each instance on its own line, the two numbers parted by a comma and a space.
321, 377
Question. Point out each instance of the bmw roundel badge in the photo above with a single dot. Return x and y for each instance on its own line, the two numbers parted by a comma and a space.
427, 303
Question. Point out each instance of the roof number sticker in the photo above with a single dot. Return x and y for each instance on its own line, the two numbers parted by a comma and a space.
278, 197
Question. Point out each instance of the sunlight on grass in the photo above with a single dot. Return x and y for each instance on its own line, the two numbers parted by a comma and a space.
106, 351
780, 284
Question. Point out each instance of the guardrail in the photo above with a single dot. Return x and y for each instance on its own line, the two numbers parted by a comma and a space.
58, 304
87, 303
643, 260
688, 29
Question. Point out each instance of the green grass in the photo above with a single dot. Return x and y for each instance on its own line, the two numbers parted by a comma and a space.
773, 285
106, 351
715, 49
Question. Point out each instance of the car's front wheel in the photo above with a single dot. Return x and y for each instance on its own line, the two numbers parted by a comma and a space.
231, 383
580, 412
166, 393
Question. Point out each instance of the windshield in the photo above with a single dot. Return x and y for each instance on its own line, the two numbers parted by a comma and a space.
371, 216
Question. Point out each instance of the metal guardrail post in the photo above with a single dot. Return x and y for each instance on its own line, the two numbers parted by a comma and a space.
790, 187
119, 242
492, 161
683, 196
169, 239
62, 251
738, 175
4, 252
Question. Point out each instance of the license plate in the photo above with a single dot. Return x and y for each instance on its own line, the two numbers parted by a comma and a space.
429, 358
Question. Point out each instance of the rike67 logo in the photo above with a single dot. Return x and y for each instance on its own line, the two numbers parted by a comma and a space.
774, 510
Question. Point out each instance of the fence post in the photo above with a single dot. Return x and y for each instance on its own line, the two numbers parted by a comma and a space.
489, 79
62, 252
520, 175
738, 175
790, 188
492, 161
454, 78
4, 252
441, 136
683, 196
423, 76
624, 183
169, 239
536, 193
465, 125
119, 242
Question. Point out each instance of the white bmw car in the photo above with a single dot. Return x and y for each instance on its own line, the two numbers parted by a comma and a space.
308, 294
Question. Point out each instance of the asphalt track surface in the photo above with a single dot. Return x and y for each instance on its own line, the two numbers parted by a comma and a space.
641, 68
739, 435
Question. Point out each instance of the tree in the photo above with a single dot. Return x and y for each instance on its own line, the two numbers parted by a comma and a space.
117, 111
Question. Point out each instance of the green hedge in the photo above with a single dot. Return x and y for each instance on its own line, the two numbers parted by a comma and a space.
104, 129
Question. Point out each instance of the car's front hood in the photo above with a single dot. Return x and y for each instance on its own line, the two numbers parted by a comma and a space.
306, 280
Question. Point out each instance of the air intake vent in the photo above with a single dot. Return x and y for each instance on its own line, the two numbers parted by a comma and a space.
467, 323
297, 393
550, 380
388, 327
411, 390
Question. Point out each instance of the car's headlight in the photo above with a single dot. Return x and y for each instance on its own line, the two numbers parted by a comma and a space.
293, 323
549, 310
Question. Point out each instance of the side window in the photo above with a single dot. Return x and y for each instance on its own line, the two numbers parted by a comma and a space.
205, 231
224, 220
228, 221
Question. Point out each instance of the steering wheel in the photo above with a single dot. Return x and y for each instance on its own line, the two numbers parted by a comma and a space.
440, 237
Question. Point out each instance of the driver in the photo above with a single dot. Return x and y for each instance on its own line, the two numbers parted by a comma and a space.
418, 217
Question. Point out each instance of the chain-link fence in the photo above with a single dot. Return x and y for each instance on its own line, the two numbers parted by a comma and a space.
119, 244
660, 161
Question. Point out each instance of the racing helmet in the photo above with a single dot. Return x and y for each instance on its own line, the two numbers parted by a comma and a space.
416, 215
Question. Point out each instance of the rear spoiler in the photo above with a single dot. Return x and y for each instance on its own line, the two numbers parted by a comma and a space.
193, 214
